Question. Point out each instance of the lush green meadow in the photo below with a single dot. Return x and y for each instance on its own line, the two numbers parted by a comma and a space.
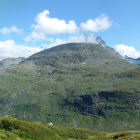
12, 129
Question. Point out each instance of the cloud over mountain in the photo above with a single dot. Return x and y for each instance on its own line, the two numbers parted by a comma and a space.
9, 49
46, 25
71, 39
46, 30
129, 51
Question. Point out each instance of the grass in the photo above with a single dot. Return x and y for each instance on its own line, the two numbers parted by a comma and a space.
42, 94
35, 131
13, 129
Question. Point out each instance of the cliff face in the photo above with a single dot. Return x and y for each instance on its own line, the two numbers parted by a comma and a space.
105, 103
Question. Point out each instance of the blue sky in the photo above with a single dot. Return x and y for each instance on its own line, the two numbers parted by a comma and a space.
28, 26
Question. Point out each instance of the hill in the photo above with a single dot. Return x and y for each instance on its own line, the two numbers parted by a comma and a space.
10, 62
133, 60
12, 129
78, 85
75, 54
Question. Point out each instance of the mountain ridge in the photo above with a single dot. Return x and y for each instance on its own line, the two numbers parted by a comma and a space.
79, 54
133, 60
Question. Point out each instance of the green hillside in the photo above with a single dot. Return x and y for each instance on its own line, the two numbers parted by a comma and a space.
12, 129
77, 85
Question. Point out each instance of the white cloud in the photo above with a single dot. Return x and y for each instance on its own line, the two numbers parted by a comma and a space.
72, 39
56, 42
129, 51
12, 29
47, 25
82, 38
35, 35
98, 24
9, 49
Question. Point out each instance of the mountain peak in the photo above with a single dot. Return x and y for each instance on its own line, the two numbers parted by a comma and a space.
74, 54
100, 41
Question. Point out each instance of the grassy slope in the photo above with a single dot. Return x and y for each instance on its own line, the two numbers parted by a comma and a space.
12, 129
41, 93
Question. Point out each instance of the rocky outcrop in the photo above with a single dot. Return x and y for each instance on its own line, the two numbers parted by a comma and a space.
104, 103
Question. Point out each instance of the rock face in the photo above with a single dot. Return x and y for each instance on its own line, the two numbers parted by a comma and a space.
104, 103
132, 60
100, 41
10, 62
76, 84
